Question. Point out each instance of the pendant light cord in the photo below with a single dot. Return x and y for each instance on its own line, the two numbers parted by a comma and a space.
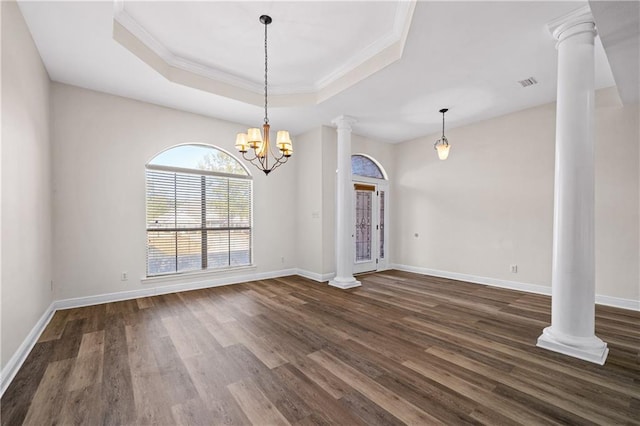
443, 124
266, 117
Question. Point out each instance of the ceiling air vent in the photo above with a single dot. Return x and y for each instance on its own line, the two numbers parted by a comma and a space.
528, 82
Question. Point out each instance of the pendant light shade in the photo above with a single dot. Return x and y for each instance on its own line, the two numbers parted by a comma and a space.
242, 143
442, 145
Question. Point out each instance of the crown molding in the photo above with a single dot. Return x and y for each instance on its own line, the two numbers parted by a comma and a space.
377, 55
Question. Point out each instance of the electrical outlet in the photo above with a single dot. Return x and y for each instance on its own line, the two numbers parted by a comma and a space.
51, 285
124, 276
514, 269
282, 259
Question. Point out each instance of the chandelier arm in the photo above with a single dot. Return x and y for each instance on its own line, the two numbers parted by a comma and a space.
260, 164
244, 155
261, 160
278, 161
278, 164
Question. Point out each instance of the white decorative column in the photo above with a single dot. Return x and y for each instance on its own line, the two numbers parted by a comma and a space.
572, 330
344, 207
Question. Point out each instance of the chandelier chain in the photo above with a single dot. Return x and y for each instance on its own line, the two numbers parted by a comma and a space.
266, 117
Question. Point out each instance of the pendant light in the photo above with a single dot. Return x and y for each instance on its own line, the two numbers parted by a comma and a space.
262, 157
442, 144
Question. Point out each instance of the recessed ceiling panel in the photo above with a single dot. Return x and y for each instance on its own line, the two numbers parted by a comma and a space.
311, 45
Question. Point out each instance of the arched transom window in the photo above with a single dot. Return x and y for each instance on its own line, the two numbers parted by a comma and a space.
365, 166
199, 205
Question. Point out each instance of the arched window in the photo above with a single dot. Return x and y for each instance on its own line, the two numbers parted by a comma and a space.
199, 205
365, 166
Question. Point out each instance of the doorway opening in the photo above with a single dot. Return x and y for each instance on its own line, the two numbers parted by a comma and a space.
371, 188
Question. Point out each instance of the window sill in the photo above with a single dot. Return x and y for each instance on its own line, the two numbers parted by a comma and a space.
189, 276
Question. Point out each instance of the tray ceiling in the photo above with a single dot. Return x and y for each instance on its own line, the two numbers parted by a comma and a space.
465, 56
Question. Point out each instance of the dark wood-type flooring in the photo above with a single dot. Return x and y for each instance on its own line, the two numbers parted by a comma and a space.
403, 348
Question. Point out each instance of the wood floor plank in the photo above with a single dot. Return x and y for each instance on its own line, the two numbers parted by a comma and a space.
150, 396
318, 400
191, 413
543, 388
211, 375
367, 411
117, 390
216, 329
83, 406
87, 369
380, 395
54, 329
259, 346
321, 377
47, 401
532, 358
184, 341
401, 349
484, 397
19, 395
258, 408
173, 372
145, 302
68, 345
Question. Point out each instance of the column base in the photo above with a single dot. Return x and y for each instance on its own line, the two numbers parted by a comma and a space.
590, 349
344, 283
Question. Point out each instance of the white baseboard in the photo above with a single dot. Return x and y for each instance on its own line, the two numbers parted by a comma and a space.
616, 302
11, 368
321, 278
20, 355
166, 289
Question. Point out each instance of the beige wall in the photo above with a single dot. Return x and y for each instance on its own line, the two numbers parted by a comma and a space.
490, 205
26, 187
101, 145
308, 161
329, 175
617, 196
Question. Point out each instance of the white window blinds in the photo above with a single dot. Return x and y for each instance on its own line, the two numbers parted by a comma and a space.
196, 221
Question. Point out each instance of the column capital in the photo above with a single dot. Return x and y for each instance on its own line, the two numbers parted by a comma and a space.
344, 122
575, 22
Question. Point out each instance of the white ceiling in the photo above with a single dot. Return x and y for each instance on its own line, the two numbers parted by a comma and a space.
466, 56
619, 28
305, 46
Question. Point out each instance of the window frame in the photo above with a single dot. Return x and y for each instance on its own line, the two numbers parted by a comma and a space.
203, 229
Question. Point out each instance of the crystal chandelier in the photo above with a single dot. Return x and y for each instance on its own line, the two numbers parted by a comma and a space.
261, 156
442, 144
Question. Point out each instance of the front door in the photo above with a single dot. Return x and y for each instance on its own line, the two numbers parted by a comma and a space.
366, 250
